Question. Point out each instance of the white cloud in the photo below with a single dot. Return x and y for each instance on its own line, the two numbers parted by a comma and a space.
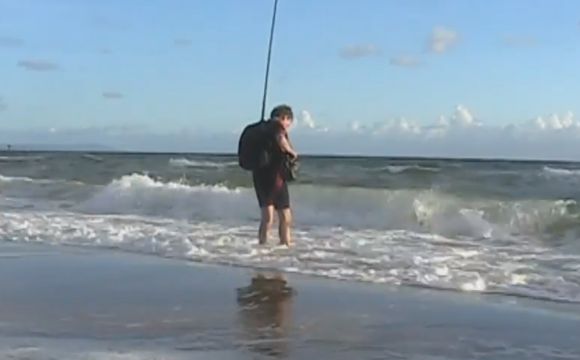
38, 65
357, 51
458, 134
462, 117
399, 126
112, 95
10, 42
442, 39
356, 126
307, 122
405, 61
555, 122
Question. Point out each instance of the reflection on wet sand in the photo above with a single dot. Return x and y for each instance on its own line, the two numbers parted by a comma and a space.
265, 314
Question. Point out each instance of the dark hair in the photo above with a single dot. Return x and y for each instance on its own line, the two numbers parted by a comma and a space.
281, 111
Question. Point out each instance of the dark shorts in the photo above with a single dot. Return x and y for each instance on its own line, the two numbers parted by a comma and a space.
271, 190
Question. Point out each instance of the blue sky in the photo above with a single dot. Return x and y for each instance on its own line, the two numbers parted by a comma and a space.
169, 67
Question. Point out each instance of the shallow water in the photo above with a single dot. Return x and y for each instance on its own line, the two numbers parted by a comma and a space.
482, 226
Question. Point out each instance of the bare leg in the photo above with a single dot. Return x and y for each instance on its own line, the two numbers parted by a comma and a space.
285, 224
266, 224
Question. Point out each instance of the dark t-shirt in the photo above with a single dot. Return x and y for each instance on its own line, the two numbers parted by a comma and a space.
273, 130
269, 181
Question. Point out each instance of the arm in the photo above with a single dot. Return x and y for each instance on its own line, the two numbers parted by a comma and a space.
285, 145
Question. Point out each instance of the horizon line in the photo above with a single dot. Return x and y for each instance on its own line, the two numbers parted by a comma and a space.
307, 155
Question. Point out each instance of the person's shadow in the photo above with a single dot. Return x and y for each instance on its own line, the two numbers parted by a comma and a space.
265, 314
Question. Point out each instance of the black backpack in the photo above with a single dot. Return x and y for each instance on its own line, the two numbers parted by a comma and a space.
253, 146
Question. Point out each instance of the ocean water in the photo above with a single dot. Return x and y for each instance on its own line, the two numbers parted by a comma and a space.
502, 227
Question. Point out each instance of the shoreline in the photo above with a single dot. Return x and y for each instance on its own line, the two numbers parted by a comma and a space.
90, 301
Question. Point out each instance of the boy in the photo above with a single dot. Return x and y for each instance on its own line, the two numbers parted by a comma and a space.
270, 183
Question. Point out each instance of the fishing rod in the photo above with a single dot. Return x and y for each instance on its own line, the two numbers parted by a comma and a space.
268, 60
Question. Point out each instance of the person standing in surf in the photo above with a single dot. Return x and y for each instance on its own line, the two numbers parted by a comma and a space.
270, 182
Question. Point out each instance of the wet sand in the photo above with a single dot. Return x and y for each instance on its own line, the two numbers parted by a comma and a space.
71, 303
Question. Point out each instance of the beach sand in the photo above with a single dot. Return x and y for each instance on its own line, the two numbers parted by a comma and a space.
73, 303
